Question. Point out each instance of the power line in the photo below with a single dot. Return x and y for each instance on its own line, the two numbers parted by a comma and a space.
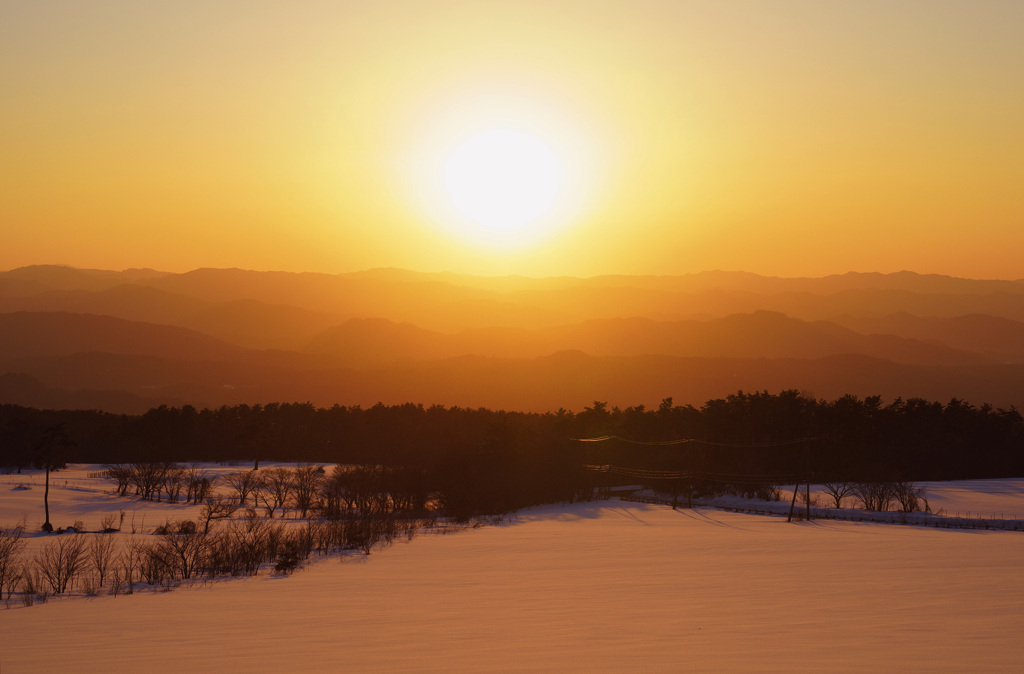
651, 474
686, 441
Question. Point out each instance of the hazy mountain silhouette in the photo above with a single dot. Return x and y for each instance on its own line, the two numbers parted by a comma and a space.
450, 303
118, 340
21, 389
59, 277
128, 301
359, 343
244, 322
710, 280
26, 334
1000, 338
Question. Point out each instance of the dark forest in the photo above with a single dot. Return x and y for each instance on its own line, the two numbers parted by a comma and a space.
495, 461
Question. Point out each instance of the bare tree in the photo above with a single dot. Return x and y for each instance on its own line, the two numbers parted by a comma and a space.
247, 544
216, 509
48, 449
61, 560
155, 565
31, 582
909, 495
120, 473
130, 561
149, 479
185, 553
244, 483
197, 484
11, 546
275, 489
101, 553
116, 581
874, 495
838, 491
174, 479
306, 487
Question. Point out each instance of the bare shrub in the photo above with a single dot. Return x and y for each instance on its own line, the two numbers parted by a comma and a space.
359, 534
60, 561
116, 582
14, 577
90, 585
308, 536
175, 527
11, 546
365, 532
245, 546
31, 581
185, 527
329, 535
154, 566
806, 498
294, 547
254, 539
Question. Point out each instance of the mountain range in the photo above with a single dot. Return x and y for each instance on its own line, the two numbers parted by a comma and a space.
125, 341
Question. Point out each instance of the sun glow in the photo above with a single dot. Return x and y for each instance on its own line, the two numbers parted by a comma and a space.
503, 178
503, 171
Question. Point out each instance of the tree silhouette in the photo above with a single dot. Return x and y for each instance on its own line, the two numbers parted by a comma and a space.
50, 446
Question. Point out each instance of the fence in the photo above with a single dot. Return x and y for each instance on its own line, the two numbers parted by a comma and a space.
817, 512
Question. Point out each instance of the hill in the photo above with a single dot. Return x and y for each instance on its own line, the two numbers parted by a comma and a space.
117, 340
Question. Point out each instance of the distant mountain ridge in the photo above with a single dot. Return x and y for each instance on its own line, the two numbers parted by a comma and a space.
219, 336
762, 334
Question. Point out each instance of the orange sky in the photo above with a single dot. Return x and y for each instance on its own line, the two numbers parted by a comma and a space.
784, 138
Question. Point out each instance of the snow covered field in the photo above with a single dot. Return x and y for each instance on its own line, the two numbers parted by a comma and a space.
601, 586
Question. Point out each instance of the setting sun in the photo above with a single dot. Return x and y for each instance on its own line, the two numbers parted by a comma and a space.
502, 178
502, 170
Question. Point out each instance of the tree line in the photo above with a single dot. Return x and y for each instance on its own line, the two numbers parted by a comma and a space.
497, 460
240, 529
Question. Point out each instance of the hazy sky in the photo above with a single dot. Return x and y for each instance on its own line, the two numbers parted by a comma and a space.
786, 138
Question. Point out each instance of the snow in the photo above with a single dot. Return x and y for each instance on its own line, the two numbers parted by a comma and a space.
997, 499
601, 586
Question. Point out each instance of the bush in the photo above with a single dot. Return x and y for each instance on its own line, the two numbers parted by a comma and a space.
60, 561
288, 558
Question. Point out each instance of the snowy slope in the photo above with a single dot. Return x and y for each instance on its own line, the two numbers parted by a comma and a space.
604, 586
